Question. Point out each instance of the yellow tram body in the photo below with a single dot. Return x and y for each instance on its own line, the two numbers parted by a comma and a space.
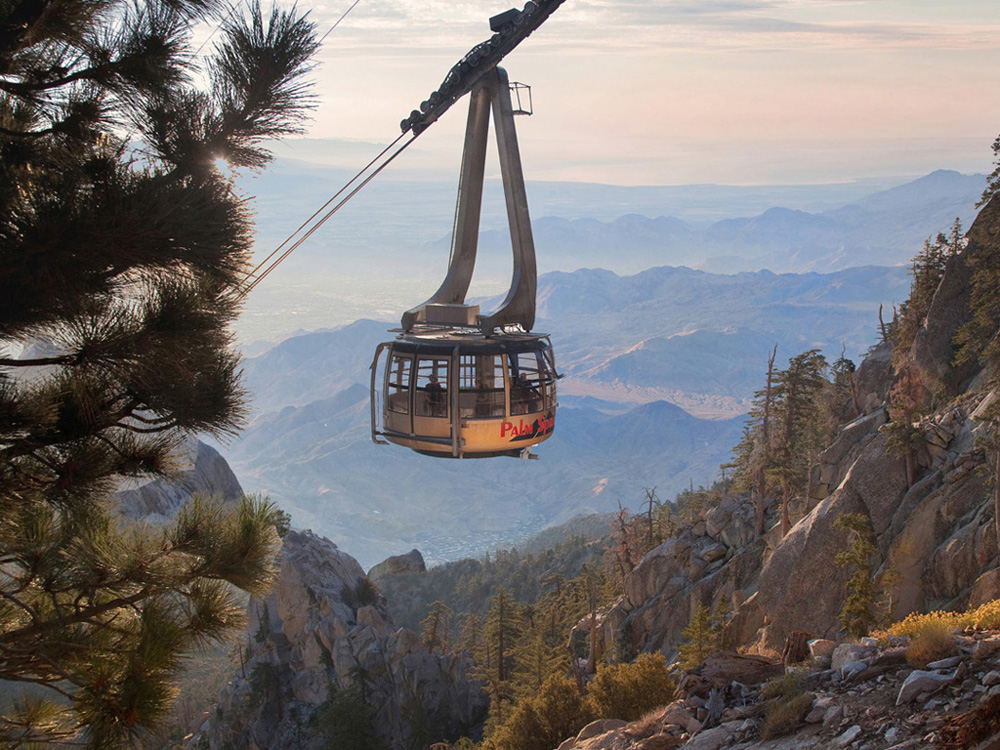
462, 395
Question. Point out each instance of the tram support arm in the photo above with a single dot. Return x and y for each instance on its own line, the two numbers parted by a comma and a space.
373, 397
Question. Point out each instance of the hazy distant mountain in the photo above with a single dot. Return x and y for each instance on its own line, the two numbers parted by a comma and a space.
403, 226
885, 228
690, 337
313, 366
388, 248
699, 339
629, 345
318, 462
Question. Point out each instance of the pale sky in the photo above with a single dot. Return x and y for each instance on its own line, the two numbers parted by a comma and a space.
636, 92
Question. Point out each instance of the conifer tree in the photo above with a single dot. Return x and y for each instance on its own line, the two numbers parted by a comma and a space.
471, 634
858, 615
993, 181
120, 247
496, 664
434, 629
802, 425
844, 389
757, 447
927, 270
788, 423
762, 450
704, 634
907, 403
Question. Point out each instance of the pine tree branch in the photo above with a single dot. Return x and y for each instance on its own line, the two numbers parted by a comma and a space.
16, 672
70, 359
26, 133
147, 430
97, 73
82, 616
33, 737
35, 616
157, 421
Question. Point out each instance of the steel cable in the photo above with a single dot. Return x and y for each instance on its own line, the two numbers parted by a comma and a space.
260, 272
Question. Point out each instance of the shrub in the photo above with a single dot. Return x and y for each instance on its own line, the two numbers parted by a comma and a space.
628, 691
646, 725
788, 706
555, 712
784, 714
346, 721
366, 592
986, 616
788, 685
704, 635
933, 642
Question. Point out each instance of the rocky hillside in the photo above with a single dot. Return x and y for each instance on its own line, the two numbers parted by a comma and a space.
937, 534
852, 695
935, 529
325, 632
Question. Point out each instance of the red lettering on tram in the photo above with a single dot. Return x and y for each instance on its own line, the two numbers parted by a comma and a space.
540, 426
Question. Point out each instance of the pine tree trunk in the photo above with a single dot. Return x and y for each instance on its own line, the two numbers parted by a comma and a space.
501, 666
786, 493
650, 495
996, 502
758, 492
574, 666
760, 480
796, 648
592, 656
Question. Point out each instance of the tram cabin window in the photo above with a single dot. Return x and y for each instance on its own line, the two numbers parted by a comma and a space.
398, 384
481, 394
550, 380
431, 399
527, 388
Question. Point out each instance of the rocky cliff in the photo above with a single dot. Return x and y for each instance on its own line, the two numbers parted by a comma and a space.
937, 534
203, 471
325, 629
934, 527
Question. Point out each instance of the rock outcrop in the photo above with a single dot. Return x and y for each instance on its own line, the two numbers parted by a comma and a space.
938, 536
411, 562
204, 472
714, 558
324, 629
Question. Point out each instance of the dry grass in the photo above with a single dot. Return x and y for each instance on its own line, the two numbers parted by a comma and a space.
933, 642
789, 685
646, 725
784, 715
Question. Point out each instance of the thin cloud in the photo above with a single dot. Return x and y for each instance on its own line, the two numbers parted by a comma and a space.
434, 26
759, 24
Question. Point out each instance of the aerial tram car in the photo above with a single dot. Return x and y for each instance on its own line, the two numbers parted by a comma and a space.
455, 382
